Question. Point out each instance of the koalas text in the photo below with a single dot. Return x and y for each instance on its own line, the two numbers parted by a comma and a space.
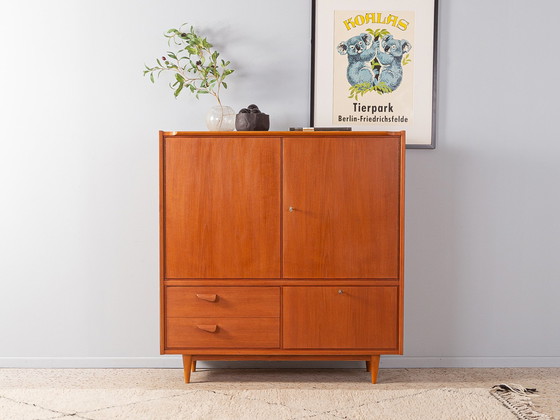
376, 18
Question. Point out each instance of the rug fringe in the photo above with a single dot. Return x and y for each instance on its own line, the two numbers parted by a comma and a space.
516, 398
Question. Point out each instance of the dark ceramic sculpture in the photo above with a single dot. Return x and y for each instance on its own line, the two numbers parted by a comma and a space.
252, 119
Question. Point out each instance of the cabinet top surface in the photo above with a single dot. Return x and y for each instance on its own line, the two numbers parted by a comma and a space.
280, 133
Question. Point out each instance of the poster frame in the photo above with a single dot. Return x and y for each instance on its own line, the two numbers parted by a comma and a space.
318, 42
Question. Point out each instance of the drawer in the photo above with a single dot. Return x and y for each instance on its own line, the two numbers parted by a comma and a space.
360, 317
222, 301
223, 332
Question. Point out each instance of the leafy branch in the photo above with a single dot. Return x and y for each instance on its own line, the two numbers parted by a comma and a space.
378, 33
361, 89
195, 64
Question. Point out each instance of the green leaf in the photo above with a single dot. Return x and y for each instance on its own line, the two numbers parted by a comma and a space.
380, 33
152, 77
375, 63
224, 84
178, 90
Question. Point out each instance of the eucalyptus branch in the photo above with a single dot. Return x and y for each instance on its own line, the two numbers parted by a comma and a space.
195, 64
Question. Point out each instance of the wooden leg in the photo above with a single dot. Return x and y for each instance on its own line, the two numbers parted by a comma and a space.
187, 363
368, 365
193, 366
374, 367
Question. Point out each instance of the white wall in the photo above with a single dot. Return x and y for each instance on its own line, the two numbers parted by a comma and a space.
79, 175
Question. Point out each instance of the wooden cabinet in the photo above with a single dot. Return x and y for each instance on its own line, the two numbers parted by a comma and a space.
228, 333
224, 301
222, 207
281, 245
344, 193
355, 317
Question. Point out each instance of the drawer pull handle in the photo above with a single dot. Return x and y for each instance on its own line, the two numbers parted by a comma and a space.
209, 328
209, 298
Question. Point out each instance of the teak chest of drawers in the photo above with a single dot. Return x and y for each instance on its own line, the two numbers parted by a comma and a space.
281, 246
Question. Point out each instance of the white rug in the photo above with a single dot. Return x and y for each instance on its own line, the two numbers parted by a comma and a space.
266, 404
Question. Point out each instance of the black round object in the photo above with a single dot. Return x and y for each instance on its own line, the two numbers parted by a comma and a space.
252, 122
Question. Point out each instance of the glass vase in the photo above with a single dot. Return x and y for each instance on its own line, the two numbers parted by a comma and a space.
220, 118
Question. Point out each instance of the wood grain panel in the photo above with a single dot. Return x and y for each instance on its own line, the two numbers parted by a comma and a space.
282, 282
222, 199
401, 246
348, 357
230, 333
229, 302
224, 351
315, 134
345, 197
357, 318
161, 243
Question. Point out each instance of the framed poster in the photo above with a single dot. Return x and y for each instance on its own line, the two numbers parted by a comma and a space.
374, 66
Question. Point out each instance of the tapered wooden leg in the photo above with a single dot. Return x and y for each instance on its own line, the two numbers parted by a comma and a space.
374, 368
187, 362
368, 365
194, 366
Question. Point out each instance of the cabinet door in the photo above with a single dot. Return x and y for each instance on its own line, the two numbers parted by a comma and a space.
340, 317
345, 218
222, 207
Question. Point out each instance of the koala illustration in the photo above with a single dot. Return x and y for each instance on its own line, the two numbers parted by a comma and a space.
389, 53
361, 51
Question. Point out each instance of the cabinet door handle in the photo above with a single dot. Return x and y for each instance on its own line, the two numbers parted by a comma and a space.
209, 328
291, 209
209, 298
